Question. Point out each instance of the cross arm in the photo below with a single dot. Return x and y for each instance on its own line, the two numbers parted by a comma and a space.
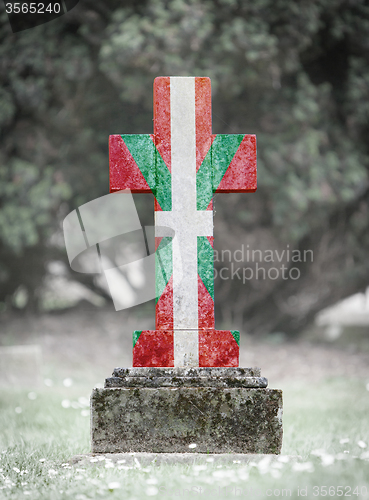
233, 158
132, 163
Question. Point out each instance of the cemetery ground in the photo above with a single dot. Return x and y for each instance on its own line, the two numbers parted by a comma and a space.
326, 427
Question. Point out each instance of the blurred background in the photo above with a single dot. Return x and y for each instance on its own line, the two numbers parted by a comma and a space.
295, 73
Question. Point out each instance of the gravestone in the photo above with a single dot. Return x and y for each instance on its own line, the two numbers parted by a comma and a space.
185, 386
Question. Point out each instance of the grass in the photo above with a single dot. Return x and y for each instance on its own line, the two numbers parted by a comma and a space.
327, 425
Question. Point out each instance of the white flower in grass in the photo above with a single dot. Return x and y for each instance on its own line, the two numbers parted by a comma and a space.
344, 440
192, 446
264, 465
121, 461
362, 444
114, 485
327, 460
210, 459
93, 459
32, 396
152, 491
16, 470
109, 465
65, 403
52, 472
85, 413
198, 468
228, 473
284, 459
48, 382
303, 467
276, 474
67, 382
24, 484
277, 465
152, 480
42, 460
365, 455
18, 409
341, 456
25, 492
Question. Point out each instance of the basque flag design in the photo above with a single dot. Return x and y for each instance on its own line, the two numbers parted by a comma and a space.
183, 164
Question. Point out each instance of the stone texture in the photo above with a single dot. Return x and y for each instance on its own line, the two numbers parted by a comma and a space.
186, 382
186, 377
169, 419
186, 372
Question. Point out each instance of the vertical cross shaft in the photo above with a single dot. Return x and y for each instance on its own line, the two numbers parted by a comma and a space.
183, 164
187, 222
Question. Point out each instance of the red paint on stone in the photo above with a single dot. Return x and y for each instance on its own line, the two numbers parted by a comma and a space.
157, 207
210, 206
217, 348
164, 308
162, 130
204, 138
240, 176
206, 306
124, 172
211, 240
157, 241
154, 348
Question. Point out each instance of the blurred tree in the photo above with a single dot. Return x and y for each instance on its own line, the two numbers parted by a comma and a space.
294, 73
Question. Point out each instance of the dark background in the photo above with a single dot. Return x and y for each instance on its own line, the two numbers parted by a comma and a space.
295, 73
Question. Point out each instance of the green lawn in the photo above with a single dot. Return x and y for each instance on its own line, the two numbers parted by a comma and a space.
38, 435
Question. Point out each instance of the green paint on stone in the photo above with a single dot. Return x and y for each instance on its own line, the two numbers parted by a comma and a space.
163, 266
143, 151
205, 263
204, 184
136, 336
224, 148
163, 183
236, 336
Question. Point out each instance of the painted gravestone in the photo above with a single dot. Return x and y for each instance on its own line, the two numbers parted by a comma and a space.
185, 385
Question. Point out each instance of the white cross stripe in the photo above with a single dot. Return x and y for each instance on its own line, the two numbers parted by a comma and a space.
186, 221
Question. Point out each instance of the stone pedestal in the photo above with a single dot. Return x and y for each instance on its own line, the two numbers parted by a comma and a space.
158, 410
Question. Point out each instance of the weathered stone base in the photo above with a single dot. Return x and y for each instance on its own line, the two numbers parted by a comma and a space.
218, 418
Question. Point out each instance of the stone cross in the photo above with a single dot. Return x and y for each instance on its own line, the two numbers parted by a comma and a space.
183, 164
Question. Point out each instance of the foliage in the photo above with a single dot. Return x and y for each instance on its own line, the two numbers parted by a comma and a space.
294, 73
